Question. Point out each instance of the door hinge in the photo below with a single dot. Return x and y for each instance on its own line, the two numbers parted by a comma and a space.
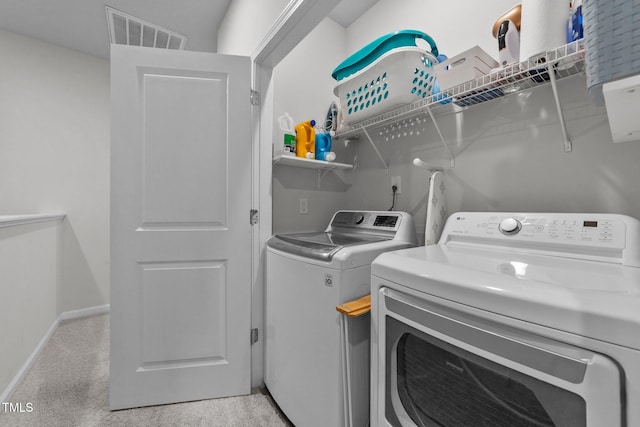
253, 217
255, 97
254, 335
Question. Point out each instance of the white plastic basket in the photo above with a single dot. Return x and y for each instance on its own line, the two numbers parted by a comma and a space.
399, 77
465, 67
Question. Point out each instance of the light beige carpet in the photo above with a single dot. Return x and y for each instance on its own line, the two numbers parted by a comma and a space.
68, 385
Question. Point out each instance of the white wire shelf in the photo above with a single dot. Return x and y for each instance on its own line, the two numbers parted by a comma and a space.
565, 61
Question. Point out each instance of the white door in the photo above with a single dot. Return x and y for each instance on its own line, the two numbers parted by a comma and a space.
180, 230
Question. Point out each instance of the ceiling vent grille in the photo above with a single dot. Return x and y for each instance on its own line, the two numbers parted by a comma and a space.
132, 31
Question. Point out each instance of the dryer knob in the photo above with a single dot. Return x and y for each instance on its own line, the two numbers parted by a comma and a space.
359, 218
510, 226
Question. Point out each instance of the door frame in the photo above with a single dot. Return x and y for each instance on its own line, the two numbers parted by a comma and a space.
293, 24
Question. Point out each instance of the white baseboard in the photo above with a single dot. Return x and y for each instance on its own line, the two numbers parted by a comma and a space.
67, 315
6, 394
84, 312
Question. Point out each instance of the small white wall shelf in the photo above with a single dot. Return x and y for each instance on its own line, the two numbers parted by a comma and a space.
557, 64
322, 167
300, 162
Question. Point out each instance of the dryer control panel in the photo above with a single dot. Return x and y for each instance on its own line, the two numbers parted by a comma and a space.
606, 237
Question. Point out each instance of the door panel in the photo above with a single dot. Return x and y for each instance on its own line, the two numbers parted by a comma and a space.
180, 233
181, 147
197, 291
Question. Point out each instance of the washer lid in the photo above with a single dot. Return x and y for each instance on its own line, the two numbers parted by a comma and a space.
321, 246
593, 299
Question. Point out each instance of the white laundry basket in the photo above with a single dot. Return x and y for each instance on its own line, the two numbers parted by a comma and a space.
400, 77
393, 70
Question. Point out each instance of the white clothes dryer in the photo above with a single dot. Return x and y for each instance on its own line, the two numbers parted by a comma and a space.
308, 275
512, 319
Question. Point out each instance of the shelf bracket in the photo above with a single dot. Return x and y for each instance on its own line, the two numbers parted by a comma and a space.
556, 97
386, 166
321, 174
444, 141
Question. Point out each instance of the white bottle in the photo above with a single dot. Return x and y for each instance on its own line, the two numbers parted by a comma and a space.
285, 143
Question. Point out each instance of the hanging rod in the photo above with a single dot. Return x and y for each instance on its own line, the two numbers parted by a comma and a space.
424, 165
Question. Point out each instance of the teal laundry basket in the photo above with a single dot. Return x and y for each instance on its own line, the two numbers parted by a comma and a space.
391, 71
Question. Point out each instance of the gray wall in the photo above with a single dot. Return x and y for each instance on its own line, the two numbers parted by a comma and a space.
245, 25
54, 144
509, 157
303, 87
30, 265
509, 152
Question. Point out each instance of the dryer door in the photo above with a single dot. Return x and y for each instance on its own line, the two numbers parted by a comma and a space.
448, 368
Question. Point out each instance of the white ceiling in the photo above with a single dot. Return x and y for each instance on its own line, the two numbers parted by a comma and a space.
82, 24
349, 10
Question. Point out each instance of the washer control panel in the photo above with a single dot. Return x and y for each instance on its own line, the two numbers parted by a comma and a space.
394, 225
355, 219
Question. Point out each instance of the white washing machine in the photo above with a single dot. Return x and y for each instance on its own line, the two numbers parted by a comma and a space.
308, 275
512, 319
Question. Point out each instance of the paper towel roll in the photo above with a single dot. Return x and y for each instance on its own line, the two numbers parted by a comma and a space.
543, 26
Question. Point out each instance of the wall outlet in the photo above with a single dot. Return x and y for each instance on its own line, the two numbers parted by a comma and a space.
304, 206
395, 180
